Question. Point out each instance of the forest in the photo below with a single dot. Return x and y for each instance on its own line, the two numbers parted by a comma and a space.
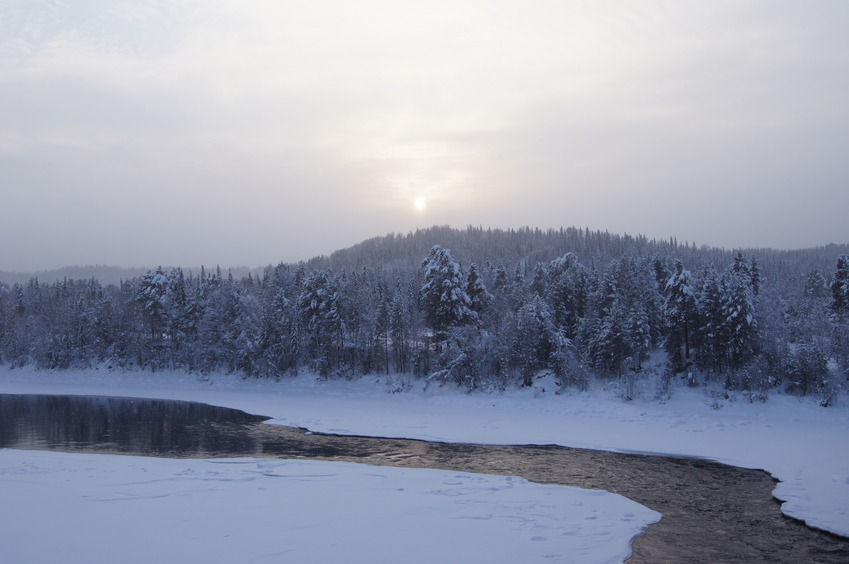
481, 308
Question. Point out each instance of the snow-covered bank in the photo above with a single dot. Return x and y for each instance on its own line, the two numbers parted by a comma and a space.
70, 508
803, 445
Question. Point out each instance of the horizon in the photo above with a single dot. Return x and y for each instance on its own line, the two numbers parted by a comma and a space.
253, 268
179, 132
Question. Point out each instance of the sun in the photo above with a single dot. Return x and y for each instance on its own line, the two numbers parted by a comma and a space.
419, 203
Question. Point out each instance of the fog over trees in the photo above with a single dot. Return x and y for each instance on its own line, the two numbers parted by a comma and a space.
480, 308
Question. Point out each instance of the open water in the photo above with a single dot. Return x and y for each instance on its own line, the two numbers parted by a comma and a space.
711, 512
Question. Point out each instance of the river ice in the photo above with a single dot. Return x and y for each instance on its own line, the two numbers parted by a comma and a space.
87, 508
799, 442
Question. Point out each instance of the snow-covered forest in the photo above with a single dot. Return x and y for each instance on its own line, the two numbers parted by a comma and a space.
483, 308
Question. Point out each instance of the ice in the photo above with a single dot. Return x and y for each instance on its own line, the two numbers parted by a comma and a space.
797, 441
68, 508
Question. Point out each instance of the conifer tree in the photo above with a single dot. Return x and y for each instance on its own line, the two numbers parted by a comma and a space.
399, 329
738, 310
152, 296
444, 298
535, 338
840, 313
680, 313
479, 297
816, 285
320, 306
539, 284
840, 287
710, 335
567, 293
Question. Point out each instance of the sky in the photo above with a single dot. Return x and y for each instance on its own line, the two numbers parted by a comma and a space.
188, 132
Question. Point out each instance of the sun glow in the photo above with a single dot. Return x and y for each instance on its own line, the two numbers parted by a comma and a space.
419, 203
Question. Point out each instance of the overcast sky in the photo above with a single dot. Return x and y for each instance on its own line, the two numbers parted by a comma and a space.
188, 132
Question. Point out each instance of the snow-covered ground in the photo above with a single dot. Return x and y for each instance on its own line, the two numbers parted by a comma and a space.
803, 445
93, 508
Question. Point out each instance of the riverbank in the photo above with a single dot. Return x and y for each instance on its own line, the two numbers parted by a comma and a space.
800, 443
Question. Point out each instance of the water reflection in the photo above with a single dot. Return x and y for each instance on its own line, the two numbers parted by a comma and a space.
712, 512
124, 425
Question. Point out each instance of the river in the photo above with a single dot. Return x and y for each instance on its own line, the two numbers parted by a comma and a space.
711, 512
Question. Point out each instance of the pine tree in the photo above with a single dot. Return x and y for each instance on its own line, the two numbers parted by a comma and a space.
816, 285
499, 283
756, 278
638, 335
152, 296
382, 329
320, 306
443, 296
535, 338
806, 370
539, 284
479, 297
661, 274
399, 329
609, 344
710, 335
604, 332
840, 287
840, 313
567, 293
680, 313
738, 311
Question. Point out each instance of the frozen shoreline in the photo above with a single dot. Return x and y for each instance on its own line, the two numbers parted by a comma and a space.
105, 508
801, 444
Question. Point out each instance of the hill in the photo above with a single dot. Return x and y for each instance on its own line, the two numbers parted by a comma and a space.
479, 307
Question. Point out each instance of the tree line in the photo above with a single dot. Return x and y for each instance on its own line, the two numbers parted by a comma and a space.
487, 325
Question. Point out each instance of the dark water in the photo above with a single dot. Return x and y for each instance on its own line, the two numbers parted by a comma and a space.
712, 512
123, 425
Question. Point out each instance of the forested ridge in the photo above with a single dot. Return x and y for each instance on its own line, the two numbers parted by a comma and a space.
479, 307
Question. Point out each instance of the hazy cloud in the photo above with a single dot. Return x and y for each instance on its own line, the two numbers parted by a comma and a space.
188, 132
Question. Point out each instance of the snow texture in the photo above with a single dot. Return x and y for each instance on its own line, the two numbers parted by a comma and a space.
98, 508
800, 443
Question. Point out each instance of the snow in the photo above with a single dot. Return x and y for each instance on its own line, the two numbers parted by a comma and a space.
802, 444
101, 508
96, 508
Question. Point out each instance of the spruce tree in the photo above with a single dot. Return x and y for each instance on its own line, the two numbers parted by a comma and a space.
738, 311
443, 296
479, 297
680, 313
840, 287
